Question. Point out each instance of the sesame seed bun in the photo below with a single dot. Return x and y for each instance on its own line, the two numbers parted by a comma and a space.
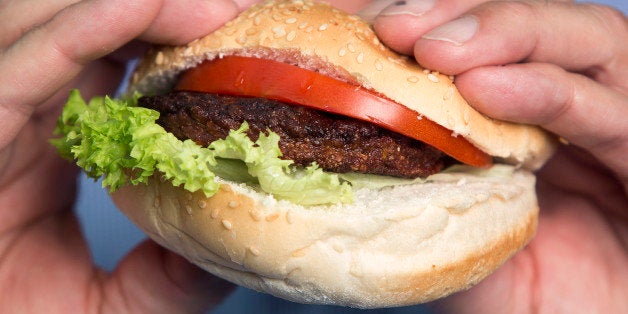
318, 37
393, 246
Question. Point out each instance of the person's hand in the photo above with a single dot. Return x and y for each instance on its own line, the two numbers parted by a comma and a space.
47, 48
562, 66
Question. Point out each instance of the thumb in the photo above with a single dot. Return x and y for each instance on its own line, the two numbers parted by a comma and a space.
152, 279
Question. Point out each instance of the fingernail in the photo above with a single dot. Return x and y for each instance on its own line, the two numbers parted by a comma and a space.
456, 32
395, 7
409, 7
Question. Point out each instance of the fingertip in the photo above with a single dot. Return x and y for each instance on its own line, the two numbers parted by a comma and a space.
201, 287
413, 17
152, 279
387, 30
445, 47
180, 22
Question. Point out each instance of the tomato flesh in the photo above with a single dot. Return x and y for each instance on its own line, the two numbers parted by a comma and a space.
253, 77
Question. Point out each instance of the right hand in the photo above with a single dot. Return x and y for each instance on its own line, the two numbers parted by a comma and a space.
561, 66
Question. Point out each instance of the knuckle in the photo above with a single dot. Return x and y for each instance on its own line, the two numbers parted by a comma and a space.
614, 25
611, 17
612, 20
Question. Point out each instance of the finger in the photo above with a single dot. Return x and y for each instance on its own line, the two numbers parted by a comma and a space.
244, 4
350, 6
581, 38
181, 21
399, 24
18, 17
75, 36
573, 106
153, 280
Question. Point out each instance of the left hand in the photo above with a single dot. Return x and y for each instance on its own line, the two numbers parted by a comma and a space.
46, 49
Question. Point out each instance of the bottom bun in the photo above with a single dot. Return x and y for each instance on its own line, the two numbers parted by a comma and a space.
391, 247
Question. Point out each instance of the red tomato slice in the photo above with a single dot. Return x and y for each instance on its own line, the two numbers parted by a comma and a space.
255, 77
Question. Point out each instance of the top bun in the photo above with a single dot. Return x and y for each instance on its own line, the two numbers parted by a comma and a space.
318, 37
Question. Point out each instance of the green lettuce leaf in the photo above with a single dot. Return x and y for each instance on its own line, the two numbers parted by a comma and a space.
116, 140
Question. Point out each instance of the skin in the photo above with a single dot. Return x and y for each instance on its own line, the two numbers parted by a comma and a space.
560, 66
576, 262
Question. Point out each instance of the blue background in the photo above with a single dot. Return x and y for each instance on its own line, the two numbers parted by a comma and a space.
110, 236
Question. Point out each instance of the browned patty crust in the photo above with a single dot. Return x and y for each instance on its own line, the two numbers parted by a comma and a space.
336, 143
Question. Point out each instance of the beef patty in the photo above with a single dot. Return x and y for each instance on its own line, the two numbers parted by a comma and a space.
336, 143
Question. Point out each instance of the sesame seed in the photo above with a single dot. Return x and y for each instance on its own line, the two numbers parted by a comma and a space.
448, 94
255, 215
466, 117
338, 248
291, 35
159, 59
251, 31
323, 27
233, 204
360, 58
412, 79
241, 40
298, 253
291, 20
230, 31
342, 52
214, 43
188, 209
257, 21
351, 47
227, 224
254, 251
272, 217
279, 31
214, 213
302, 25
432, 77
426, 71
276, 17
379, 66
157, 203
202, 204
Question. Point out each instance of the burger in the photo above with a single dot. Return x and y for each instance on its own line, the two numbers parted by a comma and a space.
293, 153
